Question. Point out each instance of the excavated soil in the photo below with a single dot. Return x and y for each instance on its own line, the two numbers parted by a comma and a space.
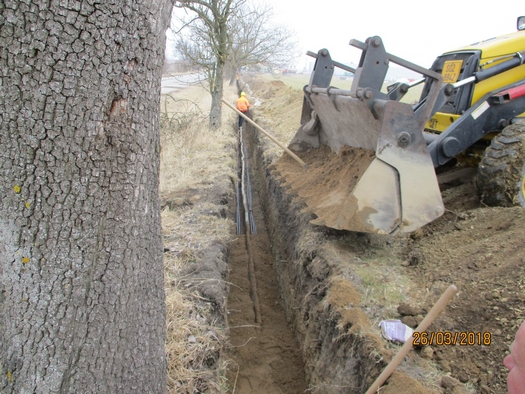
318, 187
480, 250
336, 285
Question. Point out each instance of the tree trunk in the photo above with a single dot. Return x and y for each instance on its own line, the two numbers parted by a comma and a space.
233, 78
216, 97
231, 73
81, 289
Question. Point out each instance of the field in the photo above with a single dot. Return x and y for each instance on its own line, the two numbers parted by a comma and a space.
297, 81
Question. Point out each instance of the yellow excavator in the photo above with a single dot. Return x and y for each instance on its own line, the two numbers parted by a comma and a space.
372, 158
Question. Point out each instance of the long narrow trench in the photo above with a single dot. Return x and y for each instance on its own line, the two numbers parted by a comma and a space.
264, 354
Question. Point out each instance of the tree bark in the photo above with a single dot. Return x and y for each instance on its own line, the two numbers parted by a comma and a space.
81, 272
216, 96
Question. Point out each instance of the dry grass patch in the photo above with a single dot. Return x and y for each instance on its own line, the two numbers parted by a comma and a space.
198, 166
191, 155
194, 341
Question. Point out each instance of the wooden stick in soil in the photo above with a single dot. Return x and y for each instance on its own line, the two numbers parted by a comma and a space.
294, 156
429, 318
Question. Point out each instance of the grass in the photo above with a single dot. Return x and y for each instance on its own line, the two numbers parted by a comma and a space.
194, 161
194, 342
382, 286
191, 155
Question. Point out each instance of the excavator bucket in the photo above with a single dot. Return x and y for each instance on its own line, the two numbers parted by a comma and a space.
369, 169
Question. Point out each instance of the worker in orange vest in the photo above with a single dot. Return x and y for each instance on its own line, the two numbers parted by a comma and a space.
243, 105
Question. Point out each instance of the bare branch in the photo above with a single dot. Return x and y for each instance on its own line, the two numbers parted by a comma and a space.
216, 36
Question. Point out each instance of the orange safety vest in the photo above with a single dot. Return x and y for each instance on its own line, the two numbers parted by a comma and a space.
242, 104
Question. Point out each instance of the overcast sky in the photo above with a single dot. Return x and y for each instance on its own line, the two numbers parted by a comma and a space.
415, 30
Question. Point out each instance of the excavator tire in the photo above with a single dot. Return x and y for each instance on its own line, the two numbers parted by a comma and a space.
501, 172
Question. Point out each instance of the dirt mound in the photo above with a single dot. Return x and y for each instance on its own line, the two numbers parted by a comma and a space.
480, 251
277, 84
329, 179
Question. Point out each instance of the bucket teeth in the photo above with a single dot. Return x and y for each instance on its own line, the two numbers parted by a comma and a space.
272, 167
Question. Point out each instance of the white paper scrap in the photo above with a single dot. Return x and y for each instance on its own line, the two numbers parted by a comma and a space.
395, 330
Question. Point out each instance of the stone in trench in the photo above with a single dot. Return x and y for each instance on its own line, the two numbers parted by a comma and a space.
449, 382
427, 352
409, 321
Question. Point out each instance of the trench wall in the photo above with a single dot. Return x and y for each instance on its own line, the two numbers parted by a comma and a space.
341, 353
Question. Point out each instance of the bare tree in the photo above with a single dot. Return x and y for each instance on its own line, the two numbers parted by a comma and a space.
206, 44
216, 35
257, 42
81, 271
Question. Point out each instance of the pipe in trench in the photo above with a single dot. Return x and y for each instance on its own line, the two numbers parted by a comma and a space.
244, 186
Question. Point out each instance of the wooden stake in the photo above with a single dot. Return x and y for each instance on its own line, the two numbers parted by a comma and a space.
294, 156
429, 318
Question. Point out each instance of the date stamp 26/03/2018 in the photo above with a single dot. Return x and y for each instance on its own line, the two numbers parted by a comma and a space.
450, 338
